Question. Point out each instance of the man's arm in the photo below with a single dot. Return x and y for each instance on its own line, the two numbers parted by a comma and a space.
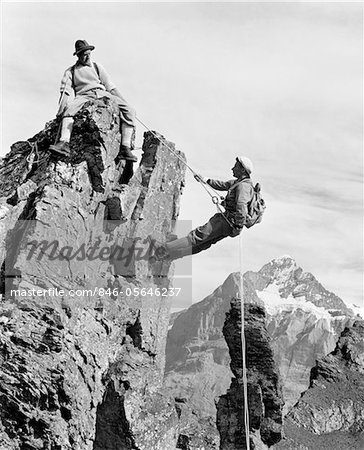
220, 185
66, 82
66, 91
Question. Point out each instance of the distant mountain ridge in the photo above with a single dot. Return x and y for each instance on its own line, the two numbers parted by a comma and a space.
330, 414
304, 321
291, 280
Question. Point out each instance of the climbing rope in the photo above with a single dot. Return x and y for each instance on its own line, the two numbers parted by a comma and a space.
34, 151
182, 161
243, 346
215, 198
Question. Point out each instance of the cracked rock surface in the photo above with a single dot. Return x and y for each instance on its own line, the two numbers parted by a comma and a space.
330, 414
85, 372
265, 397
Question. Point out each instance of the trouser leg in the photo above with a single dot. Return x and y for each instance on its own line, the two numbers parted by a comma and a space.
127, 118
179, 248
127, 113
206, 235
200, 239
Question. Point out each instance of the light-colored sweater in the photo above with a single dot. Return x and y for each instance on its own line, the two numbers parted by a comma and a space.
85, 78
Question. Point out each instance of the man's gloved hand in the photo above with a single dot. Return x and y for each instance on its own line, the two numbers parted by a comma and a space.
239, 220
201, 179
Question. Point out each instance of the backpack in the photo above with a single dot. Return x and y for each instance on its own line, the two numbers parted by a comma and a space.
256, 208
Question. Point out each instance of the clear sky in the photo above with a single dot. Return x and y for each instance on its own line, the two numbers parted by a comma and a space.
278, 82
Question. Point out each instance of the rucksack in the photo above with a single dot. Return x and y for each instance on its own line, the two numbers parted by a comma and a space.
256, 208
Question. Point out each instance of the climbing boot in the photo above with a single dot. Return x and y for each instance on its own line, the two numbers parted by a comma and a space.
62, 148
171, 237
125, 153
160, 254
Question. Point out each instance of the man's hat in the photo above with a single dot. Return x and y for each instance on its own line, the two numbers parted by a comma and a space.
81, 46
246, 163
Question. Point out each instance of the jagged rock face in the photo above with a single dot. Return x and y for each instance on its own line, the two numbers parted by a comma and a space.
84, 372
330, 414
195, 432
265, 398
197, 359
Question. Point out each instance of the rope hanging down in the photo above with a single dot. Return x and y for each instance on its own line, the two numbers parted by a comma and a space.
243, 346
215, 200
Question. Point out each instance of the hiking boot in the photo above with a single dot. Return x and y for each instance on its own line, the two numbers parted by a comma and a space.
60, 149
160, 254
171, 237
125, 153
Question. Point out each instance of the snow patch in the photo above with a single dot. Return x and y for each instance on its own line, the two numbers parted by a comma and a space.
283, 258
275, 304
358, 310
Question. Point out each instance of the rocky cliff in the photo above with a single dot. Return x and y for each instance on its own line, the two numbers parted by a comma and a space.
330, 414
81, 345
265, 398
303, 320
197, 358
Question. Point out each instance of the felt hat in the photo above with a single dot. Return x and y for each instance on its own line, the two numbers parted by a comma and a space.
81, 46
246, 163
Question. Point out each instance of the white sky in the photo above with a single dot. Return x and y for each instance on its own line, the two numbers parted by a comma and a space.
278, 82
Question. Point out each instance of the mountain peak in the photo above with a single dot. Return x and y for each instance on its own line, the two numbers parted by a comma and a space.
280, 271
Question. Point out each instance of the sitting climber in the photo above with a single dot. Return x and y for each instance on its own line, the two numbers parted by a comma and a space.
230, 223
89, 81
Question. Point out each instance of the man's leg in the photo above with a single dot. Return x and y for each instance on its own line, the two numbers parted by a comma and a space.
62, 147
213, 231
200, 239
179, 248
127, 126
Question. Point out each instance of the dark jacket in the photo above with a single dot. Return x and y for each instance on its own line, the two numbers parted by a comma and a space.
237, 198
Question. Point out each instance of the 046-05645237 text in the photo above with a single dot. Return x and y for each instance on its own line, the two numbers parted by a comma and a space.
100, 292
141, 292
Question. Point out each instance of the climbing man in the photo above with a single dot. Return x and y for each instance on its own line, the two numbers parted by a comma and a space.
230, 223
89, 81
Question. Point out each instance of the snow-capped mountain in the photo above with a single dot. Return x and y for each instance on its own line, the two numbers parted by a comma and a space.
304, 321
282, 276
